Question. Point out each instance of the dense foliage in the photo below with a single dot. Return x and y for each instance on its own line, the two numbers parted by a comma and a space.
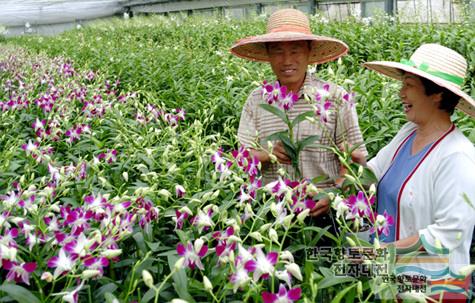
116, 156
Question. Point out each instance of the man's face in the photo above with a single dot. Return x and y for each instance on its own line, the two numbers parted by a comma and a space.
289, 61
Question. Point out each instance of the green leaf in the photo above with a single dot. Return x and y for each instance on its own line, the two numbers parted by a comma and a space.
276, 111
332, 281
108, 288
327, 272
149, 295
110, 298
319, 230
19, 293
138, 237
320, 179
290, 148
301, 118
277, 136
307, 141
342, 294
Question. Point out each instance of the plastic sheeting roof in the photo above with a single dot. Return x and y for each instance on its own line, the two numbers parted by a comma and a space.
19, 12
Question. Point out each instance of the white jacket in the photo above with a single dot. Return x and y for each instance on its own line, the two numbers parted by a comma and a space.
433, 199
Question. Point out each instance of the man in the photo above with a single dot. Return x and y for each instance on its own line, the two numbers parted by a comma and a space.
289, 46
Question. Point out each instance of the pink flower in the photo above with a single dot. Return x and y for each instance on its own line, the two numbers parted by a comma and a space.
253, 167
180, 219
19, 272
278, 187
270, 92
63, 263
323, 110
262, 265
110, 156
180, 191
359, 205
287, 100
98, 263
283, 296
241, 156
193, 253
382, 224
223, 248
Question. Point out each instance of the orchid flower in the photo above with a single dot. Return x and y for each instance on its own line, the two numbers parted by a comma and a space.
193, 253
283, 296
262, 265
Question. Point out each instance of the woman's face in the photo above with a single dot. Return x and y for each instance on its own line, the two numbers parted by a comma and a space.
418, 107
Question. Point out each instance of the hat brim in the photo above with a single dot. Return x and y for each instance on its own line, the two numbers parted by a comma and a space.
396, 71
324, 49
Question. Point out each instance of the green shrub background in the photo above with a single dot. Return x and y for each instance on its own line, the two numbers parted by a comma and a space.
186, 63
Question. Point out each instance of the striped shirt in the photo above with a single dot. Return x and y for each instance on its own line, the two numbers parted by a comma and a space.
257, 124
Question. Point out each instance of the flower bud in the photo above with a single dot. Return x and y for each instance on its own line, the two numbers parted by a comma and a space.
350, 241
331, 196
89, 273
270, 145
294, 270
372, 189
273, 235
360, 170
179, 191
147, 278
303, 214
256, 235
312, 189
288, 220
111, 253
281, 171
215, 195
376, 244
47, 276
273, 209
350, 178
265, 227
164, 193
359, 289
273, 159
179, 263
231, 256
287, 256
207, 284
125, 175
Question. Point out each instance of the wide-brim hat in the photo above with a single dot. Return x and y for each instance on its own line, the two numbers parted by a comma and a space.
289, 25
439, 64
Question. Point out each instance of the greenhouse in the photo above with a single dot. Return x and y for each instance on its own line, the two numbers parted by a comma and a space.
237, 151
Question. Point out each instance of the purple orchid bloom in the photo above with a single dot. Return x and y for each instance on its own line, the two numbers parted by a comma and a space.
19, 273
382, 223
359, 205
283, 296
193, 253
262, 265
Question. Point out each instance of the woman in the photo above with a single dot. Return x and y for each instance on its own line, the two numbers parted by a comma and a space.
426, 173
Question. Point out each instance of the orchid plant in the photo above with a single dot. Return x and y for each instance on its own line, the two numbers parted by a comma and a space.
279, 102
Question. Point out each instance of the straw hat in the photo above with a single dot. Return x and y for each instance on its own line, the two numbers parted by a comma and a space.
289, 25
439, 64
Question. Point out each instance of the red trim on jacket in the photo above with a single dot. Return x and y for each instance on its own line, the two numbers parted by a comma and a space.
413, 171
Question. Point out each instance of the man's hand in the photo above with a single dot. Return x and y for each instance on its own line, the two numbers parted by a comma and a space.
281, 155
321, 208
